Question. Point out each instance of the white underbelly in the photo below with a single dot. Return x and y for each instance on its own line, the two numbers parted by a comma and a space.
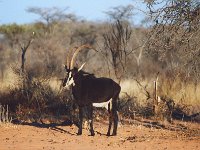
103, 105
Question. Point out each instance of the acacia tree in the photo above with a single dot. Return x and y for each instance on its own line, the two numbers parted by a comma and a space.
176, 37
120, 13
24, 47
12, 33
116, 42
52, 15
2, 62
135, 44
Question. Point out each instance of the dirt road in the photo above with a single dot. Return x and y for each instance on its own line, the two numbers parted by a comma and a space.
34, 137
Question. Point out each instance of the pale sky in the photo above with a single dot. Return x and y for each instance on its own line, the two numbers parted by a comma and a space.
14, 11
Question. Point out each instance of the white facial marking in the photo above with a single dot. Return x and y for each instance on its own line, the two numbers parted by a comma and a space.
70, 81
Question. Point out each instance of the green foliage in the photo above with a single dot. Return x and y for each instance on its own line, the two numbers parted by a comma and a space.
50, 15
11, 30
120, 13
14, 33
84, 35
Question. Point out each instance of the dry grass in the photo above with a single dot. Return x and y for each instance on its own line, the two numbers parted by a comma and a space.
9, 80
45, 94
134, 89
55, 84
184, 96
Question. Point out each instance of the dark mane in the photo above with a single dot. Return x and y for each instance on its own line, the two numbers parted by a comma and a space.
87, 74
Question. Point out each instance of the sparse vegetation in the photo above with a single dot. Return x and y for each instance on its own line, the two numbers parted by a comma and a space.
134, 54
4, 115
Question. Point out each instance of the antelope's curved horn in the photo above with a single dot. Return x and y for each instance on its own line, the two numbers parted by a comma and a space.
77, 51
68, 57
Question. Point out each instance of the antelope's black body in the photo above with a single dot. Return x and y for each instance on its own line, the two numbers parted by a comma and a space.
87, 89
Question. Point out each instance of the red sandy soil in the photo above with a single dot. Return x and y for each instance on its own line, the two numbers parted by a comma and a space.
130, 137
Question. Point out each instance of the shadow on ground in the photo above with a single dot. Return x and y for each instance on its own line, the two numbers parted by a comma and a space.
51, 126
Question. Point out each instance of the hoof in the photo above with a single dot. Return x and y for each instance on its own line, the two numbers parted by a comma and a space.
92, 134
79, 133
108, 134
114, 134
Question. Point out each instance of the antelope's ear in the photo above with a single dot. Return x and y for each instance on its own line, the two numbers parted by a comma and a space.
65, 66
79, 69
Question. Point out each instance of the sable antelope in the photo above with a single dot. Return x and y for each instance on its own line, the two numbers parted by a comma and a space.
90, 91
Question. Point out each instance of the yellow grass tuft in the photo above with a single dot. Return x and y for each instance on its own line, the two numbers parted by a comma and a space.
136, 91
9, 80
55, 83
182, 94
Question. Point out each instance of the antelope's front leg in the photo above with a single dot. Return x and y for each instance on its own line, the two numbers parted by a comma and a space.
91, 120
80, 120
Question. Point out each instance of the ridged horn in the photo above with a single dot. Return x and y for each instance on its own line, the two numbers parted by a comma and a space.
77, 51
68, 57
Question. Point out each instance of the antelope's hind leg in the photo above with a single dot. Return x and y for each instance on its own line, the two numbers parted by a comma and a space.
115, 114
80, 120
116, 119
110, 123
